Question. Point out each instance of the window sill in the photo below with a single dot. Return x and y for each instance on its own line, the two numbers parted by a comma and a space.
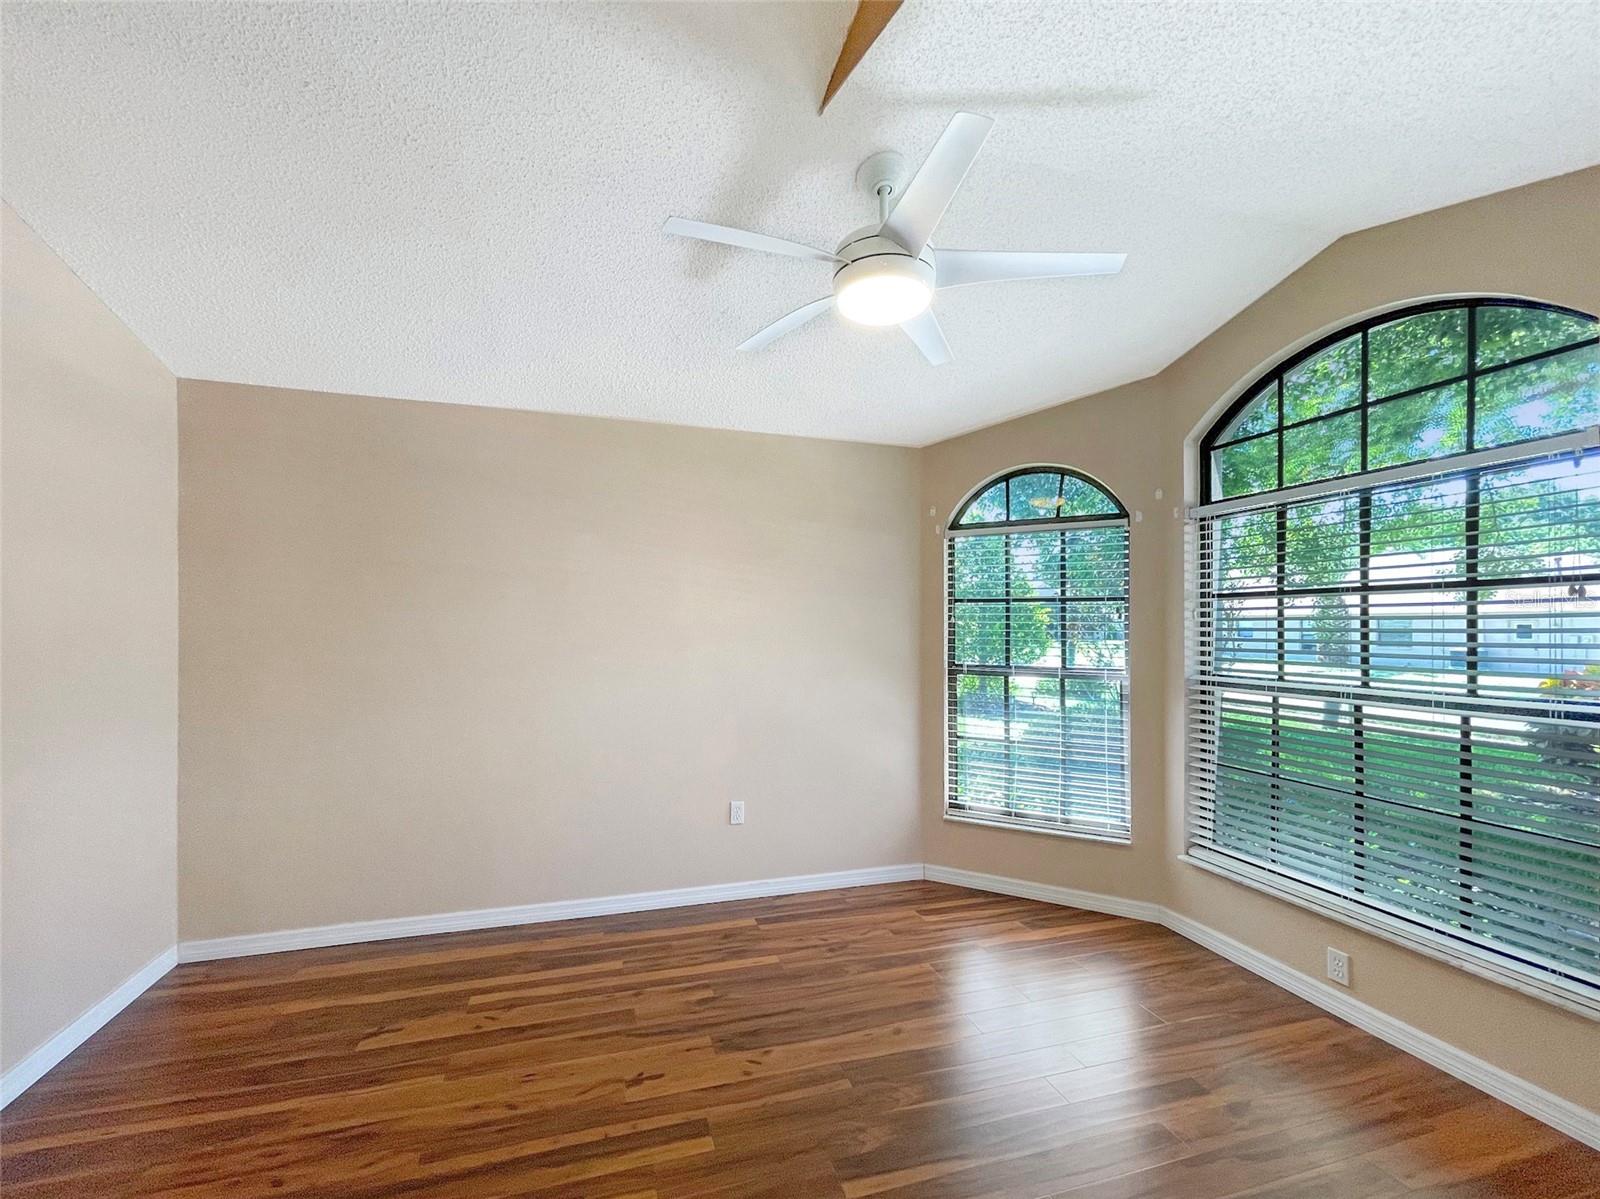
1069, 833
1398, 932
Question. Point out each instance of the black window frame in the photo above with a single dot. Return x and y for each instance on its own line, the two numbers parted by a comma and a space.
1274, 377
1042, 468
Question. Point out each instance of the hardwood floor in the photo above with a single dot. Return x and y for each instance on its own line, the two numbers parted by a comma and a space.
903, 1040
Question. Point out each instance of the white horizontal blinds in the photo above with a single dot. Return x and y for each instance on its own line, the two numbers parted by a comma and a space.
1037, 675
1394, 695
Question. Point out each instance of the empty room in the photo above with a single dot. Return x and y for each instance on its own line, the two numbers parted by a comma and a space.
800, 598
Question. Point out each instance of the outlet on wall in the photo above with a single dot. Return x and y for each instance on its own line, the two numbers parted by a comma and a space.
736, 811
1339, 966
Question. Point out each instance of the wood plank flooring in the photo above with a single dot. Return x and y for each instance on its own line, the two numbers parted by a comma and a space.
904, 1040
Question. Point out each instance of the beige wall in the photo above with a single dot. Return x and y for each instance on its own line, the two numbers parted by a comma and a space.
1541, 241
439, 658
89, 641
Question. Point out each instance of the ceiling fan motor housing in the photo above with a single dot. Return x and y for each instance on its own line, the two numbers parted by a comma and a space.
866, 251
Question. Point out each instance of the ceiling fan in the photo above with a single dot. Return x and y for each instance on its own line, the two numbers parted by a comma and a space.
886, 274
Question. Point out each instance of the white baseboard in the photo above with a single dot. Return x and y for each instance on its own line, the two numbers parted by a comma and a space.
33, 1067
535, 913
1068, 897
1567, 1117
1579, 1123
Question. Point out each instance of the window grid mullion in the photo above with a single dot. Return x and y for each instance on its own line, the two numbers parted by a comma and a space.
1280, 569
1358, 712
1472, 515
1064, 769
1005, 682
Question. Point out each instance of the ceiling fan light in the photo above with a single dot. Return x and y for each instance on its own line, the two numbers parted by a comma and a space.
887, 290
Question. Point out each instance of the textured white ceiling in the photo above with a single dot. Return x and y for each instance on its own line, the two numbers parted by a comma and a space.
463, 202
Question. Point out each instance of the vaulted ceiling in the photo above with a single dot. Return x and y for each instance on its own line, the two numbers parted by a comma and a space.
463, 202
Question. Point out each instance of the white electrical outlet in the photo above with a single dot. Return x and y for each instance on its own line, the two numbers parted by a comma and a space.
1339, 966
736, 811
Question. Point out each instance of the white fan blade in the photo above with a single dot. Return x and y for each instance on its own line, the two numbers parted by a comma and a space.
786, 324
744, 239
925, 332
912, 221
955, 268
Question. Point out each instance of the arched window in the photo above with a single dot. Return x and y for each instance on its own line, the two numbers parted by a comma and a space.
1036, 648
1394, 671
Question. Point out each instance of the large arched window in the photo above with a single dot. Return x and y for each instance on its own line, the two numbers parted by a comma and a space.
1394, 671
1036, 648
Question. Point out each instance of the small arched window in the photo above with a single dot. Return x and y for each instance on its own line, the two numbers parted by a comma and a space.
1036, 648
1394, 672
